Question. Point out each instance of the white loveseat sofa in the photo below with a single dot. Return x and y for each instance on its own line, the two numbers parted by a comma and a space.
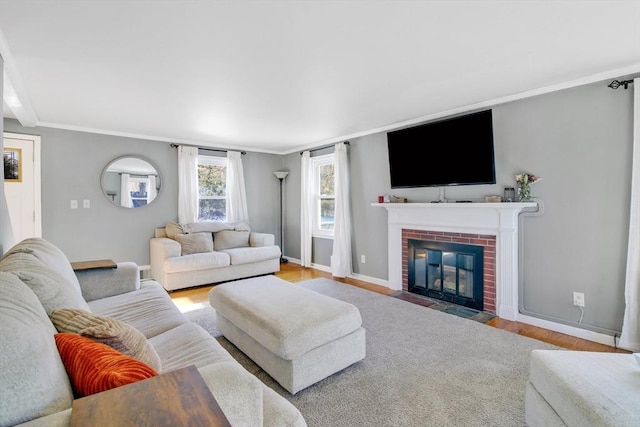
202, 253
37, 280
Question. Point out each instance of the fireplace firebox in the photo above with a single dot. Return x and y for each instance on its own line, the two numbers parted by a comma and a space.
451, 272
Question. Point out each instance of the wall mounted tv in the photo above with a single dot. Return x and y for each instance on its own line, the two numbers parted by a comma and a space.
454, 151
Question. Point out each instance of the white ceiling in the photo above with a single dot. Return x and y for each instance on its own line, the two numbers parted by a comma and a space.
279, 76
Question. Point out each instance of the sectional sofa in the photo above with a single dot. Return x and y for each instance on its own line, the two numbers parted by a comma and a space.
38, 389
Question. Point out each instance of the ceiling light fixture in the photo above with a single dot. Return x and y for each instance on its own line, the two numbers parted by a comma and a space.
616, 84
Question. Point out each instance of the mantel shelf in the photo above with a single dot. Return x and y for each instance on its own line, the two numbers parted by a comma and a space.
473, 205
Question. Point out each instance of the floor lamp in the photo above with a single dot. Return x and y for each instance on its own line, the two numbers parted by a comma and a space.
281, 175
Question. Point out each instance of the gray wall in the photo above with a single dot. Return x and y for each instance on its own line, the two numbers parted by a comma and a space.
72, 165
580, 142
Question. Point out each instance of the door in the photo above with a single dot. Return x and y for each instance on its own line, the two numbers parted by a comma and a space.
22, 184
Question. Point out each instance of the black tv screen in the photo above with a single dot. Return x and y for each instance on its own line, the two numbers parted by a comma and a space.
455, 151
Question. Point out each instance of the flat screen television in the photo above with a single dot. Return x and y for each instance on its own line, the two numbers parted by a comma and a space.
454, 151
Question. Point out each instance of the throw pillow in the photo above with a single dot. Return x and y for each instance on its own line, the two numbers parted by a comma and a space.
112, 332
195, 243
172, 228
94, 367
227, 239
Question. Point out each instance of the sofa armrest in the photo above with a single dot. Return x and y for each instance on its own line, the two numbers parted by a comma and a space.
107, 282
261, 239
161, 248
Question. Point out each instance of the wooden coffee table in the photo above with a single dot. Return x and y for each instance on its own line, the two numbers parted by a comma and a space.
176, 398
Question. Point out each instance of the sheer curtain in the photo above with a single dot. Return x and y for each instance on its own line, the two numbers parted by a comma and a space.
630, 336
237, 210
152, 191
341, 264
306, 209
187, 184
125, 194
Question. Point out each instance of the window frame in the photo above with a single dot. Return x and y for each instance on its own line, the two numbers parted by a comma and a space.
213, 161
316, 163
139, 179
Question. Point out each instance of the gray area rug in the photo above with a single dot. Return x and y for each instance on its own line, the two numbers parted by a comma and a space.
423, 368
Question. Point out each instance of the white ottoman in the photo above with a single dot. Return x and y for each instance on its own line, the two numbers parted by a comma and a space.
296, 335
582, 388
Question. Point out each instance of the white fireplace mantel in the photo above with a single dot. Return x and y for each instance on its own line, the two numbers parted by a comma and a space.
498, 219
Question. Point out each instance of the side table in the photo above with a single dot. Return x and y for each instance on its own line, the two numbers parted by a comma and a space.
176, 398
93, 265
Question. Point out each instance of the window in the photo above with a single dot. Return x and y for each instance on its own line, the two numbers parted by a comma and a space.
212, 188
138, 190
324, 195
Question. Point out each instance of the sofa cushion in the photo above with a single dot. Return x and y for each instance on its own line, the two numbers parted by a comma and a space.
112, 332
52, 289
95, 367
193, 262
172, 228
33, 379
195, 243
240, 256
188, 344
227, 239
149, 310
238, 393
49, 255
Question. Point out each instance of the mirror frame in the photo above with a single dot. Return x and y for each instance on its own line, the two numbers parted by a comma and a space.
111, 198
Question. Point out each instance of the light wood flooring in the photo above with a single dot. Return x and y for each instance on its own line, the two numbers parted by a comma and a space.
295, 273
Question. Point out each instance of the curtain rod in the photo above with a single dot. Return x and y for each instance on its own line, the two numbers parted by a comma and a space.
323, 147
205, 148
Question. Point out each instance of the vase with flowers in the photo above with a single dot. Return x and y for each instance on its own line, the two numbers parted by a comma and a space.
524, 181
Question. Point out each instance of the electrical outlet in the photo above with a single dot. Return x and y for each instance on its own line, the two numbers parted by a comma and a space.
74, 204
86, 204
363, 259
578, 299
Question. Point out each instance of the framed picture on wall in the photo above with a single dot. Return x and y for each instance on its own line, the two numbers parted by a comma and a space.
12, 159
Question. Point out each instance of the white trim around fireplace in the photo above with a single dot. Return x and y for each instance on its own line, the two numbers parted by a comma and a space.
498, 219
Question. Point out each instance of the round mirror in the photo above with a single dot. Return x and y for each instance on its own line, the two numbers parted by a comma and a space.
130, 182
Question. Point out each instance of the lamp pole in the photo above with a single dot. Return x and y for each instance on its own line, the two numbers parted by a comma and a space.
281, 175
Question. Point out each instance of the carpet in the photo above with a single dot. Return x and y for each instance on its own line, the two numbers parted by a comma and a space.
423, 367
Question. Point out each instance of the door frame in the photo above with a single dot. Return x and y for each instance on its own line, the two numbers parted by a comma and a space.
37, 174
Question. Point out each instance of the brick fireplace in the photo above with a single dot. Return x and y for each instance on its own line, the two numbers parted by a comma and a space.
488, 242
492, 224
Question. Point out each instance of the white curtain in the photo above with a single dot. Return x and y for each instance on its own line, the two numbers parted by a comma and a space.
306, 210
341, 264
125, 193
237, 196
630, 336
187, 184
152, 191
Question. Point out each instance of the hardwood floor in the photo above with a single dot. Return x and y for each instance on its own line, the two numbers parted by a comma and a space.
295, 273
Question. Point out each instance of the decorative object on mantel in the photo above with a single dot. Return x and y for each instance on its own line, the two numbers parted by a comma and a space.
395, 199
509, 194
524, 181
492, 199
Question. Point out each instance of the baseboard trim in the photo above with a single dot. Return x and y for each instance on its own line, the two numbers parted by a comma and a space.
568, 330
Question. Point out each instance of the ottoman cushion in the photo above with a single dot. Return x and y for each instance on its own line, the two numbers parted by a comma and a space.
586, 388
286, 319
